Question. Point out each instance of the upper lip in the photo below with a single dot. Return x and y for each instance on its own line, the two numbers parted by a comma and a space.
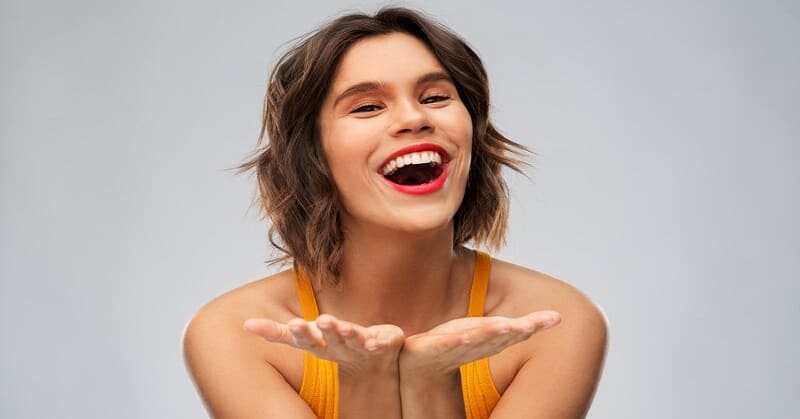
416, 148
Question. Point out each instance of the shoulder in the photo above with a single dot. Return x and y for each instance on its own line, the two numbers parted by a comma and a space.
272, 297
228, 363
570, 355
515, 291
220, 321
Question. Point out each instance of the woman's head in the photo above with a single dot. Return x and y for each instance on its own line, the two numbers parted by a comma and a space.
298, 192
397, 140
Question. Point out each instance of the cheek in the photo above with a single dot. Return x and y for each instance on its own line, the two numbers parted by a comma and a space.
459, 124
347, 148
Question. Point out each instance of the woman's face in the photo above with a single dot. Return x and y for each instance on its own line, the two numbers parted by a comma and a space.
396, 136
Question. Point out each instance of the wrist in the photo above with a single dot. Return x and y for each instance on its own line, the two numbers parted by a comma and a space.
421, 369
370, 371
369, 392
431, 395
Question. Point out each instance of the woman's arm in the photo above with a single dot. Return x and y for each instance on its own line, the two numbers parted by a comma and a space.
232, 377
559, 379
367, 359
426, 382
430, 383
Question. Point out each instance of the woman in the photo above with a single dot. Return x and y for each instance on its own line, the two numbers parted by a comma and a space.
381, 165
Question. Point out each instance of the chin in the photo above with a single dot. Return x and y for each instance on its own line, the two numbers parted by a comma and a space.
421, 220
408, 215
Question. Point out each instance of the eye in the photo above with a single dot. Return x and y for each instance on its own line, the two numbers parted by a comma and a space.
366, 108
435, 98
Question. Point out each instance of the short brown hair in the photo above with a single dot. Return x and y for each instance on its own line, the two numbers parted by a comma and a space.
296, 190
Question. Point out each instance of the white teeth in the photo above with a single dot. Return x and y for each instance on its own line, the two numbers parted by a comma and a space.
423, 157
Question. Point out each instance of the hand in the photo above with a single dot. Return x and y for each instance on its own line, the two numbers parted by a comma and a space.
357, 349
441, 350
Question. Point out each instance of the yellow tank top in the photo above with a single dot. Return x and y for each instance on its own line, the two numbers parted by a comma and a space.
320, 387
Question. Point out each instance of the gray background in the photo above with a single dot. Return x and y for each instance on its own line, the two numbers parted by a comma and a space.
664, 187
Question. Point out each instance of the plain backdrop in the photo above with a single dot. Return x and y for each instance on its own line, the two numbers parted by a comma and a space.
665, 186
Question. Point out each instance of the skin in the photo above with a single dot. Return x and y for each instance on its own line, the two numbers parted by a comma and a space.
397, 328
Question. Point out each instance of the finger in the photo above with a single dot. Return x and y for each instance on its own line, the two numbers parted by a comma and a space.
363, 338
539, 320
306, 334
269, 330
384, 336
523, 328
437, 344
491, 328
492, 337
327, 324
387, 336
505, 332
354, 336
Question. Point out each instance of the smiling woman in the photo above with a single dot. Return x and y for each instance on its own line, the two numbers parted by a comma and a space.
411, 107
381, 165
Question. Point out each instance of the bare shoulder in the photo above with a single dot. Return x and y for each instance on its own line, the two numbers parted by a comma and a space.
559, 368
273, 295
515, 290
237, 373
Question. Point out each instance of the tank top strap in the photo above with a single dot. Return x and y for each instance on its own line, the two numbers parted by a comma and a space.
480, 284
320, 386
477, 387
305, 293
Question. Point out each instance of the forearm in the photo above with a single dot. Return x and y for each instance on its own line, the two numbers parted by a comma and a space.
425, 397
371, 395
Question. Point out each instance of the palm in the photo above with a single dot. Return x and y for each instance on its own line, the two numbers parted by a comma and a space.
464, 340
352, 346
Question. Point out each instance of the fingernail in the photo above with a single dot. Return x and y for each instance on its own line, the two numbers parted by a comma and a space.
552, 320
247, 324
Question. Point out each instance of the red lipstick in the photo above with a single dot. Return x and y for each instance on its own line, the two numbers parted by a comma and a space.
425, 188
416, 148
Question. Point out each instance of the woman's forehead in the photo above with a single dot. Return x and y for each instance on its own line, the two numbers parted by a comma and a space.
395, 58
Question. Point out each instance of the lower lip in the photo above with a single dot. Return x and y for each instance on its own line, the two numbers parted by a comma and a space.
423, 189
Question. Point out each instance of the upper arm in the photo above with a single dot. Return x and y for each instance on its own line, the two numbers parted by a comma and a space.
231, 375
559, 379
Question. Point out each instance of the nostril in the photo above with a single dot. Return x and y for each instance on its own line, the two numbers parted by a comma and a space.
409, 130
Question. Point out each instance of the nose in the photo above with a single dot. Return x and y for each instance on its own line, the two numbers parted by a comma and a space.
409, 117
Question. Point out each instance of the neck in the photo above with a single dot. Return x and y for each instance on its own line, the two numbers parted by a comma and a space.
414, 281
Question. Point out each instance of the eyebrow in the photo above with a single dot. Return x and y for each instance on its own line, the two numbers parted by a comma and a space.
368, 86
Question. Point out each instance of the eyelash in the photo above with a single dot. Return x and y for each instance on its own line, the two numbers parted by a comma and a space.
364, 108
438, 98
368, 107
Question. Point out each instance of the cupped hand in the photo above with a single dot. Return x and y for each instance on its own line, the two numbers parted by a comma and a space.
441, 350
357, 349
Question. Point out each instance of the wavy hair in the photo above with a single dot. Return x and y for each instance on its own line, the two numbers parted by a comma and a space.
295, 188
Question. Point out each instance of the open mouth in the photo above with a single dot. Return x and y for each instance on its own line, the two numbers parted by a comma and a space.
416, 168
